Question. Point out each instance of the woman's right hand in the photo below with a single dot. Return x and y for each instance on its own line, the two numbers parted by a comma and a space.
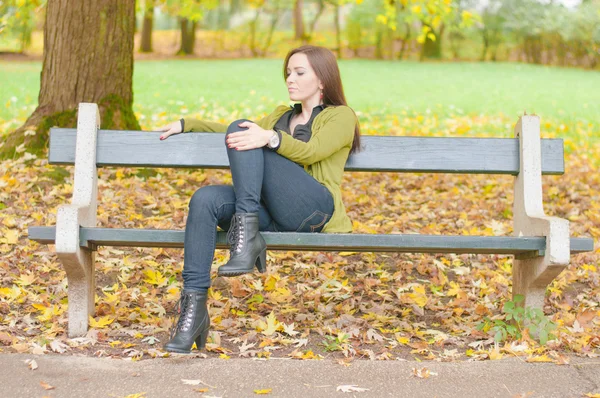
170, 129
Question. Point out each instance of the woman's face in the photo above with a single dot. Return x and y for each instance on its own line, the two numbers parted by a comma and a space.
302, 82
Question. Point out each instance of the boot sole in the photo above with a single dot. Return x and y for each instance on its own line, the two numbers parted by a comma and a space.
260, 264
178, 351
233, 273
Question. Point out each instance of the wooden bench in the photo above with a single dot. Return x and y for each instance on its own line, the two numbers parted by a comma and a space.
541, 245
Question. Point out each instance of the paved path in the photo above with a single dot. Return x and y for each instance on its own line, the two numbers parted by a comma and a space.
78, 376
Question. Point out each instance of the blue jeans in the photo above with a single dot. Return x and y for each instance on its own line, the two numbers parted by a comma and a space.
283, 194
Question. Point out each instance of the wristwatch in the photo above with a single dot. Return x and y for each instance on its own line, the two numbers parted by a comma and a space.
274, 140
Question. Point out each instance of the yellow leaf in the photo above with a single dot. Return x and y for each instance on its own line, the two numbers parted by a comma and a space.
403, 340
310, 355
26, 279
419, 297
102, 322
271, 326
224, 356
9, 222
454, 289
11, 236
495, 354
262, 392
154, 277
540, 358
270, 283
38, 306
10, 293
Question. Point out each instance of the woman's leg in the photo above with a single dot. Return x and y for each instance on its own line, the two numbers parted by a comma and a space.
246, 173
296, 201
210, 206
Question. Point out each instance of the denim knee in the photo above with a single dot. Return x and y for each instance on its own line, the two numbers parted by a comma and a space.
233, 127
209, 198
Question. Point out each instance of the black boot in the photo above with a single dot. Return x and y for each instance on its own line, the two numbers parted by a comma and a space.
248, 247
193, 323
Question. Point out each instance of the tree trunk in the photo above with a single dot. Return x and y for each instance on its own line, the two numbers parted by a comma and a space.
313, 23
188, 37
253, 23
404, 42
486, 44
298, 21
432, 49
276, 16
379, 42
146, 42
88, 57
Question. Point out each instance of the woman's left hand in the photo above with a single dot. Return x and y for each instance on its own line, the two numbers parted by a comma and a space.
254, 137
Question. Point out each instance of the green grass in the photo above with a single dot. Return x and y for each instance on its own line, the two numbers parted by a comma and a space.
374, 87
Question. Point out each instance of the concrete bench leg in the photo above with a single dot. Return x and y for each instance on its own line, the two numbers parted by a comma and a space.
532, 275
78, 261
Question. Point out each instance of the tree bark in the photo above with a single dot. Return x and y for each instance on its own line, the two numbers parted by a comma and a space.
313, 23
338, 32
298, 21
188, 37
88, 57
147, 25
432, 49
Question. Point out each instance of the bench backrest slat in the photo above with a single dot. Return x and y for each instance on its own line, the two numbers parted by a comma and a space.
380, 153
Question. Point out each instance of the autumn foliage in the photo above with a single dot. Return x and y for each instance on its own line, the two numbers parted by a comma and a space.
309, 305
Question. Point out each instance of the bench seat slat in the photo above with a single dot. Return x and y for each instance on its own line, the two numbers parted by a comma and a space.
380, 153
323, 242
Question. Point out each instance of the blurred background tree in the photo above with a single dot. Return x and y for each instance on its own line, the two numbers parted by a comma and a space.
553, 32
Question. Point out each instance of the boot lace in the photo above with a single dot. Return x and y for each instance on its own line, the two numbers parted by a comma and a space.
235, 235
185, 308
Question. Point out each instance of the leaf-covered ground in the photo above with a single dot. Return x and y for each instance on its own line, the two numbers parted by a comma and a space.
308, 305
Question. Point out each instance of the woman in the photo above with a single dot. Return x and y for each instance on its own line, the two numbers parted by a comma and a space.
286, 170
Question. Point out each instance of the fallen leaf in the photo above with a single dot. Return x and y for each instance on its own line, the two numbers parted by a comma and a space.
102, 322
350, 388
540, 358
191, 382
32, 364
195, 382
46, 386
264, 391
58, 346
423, 373
5, 338
495, 354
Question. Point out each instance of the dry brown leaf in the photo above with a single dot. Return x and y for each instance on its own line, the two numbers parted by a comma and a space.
46, 386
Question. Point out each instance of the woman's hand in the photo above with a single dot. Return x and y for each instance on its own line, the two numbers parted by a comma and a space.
254, 137
170, 129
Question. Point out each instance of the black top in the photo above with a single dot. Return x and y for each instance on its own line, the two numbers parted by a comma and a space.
302, 132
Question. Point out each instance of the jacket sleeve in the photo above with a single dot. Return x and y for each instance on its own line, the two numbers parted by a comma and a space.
335, 134
197, 125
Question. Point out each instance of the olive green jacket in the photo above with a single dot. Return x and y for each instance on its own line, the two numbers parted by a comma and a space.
323, 156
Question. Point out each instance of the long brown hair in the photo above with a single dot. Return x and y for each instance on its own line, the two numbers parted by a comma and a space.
326, 68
